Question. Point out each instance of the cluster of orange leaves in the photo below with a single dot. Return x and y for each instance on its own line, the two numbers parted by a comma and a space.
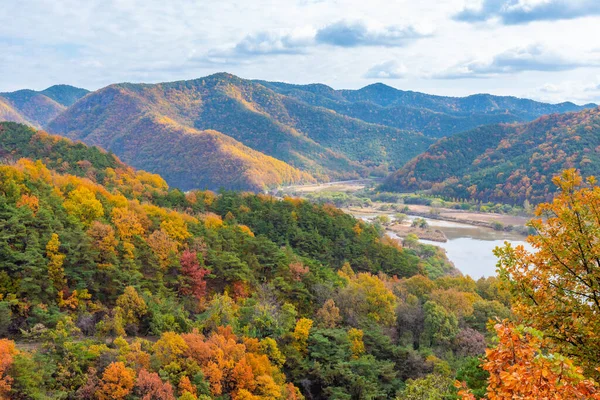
520, 367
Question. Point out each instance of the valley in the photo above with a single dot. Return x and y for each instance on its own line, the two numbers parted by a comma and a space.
240, 239
468, 237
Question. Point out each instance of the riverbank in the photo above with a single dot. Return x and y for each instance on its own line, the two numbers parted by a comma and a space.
484, 220
403, 230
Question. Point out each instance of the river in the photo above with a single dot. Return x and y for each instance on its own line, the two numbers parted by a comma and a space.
469, 247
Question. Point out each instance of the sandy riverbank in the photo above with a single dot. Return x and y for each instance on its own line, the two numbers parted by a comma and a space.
403, 230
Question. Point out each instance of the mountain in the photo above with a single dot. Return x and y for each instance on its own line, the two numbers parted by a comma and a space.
165, 126
38, 108
434, 116
506, 162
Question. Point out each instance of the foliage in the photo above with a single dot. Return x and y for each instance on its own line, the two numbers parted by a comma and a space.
556, 286
511, 164
229, 283
521, 367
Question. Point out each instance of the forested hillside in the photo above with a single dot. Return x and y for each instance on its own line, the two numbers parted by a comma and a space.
224, 131
506, 163
116, 287
322, 143
38, 108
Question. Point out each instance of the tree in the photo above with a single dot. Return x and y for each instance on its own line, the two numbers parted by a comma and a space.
366, 299
300, 334
104, 240
169, 347
56, 272
126, 222
329, 316
150, 387
557, 287
186, 386
117, 382
162, 246
83, 204
440, 326
7, 353
357, 346
194, 282
132, 306
521, 367
432, 387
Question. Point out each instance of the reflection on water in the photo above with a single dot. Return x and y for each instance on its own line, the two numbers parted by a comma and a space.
469, 247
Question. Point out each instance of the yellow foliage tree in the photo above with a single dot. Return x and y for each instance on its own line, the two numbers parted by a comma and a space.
56, 272
300, 334
82, 203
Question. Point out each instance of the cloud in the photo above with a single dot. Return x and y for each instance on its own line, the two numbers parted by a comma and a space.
300, 41
532, 58
514, 12
358, 33
580, 92
386, 70
262, 43
274, 43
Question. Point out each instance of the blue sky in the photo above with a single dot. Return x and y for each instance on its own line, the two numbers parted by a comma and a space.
542, 49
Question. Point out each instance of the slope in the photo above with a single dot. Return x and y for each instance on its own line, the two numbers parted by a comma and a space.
38, 108
314, 139
506, 163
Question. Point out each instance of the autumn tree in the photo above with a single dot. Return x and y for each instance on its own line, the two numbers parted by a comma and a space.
117, 382
367, 299
104, 240
83, 204
150, 387
131, 306
194, 283
56, 272
357, 346
557, 286
169, 347
329, 316
7, 353
522, 367
162, 246
300, 334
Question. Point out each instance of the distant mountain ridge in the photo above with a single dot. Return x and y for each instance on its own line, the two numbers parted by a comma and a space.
507, 163
435, 116
321, 143
225, 131
37, 108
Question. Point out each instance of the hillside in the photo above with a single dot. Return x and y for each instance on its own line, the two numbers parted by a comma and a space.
319, 142
434, 116
506, 163
38, 108
112, 280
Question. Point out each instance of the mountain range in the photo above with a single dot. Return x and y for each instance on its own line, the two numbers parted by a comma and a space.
224, 131
38, 108
507, 163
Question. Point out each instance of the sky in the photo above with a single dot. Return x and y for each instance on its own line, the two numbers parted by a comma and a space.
547, 50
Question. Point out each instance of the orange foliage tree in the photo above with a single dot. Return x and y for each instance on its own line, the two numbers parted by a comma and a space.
7, 352
557, 287
521, 367
117, 382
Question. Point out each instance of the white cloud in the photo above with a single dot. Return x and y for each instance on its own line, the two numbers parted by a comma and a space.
530, 58
387, 70
94, 43
514, 12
